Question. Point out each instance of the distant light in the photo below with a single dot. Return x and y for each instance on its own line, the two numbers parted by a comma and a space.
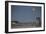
33, 9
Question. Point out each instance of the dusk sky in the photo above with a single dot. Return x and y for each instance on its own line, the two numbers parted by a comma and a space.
25, 13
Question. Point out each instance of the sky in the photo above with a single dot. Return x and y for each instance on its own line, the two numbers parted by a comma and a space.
25, 13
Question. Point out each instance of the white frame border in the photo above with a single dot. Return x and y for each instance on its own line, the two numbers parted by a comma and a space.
24, 29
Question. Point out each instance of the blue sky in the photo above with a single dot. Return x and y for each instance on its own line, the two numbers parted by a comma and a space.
25, 13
